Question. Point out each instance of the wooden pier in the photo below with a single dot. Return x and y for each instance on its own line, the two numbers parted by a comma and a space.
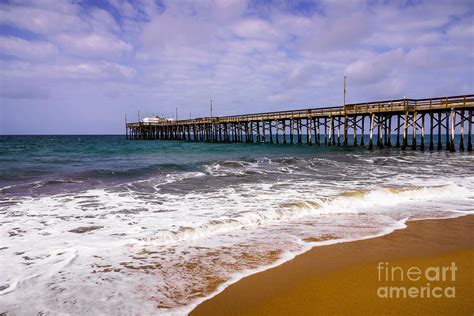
409, 123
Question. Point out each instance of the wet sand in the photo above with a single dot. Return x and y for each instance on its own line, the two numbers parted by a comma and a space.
344, 279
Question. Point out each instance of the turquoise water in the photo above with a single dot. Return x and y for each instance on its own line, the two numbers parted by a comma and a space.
87, 221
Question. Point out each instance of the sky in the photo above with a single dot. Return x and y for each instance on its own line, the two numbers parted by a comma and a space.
80, 67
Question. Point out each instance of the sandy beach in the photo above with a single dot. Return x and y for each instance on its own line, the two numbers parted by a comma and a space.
347, 277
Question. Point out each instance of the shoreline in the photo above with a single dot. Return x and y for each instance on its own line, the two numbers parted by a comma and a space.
301, 284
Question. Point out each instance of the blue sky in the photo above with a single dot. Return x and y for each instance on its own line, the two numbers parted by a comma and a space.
77, 67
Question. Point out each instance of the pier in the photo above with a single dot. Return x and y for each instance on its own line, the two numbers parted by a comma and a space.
414, 123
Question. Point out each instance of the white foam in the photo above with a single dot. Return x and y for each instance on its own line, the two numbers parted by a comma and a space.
197, 227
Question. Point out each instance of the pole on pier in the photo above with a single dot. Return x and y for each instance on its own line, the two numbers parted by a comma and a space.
362, 142
283, 124
345, 91
345, 116
211, 107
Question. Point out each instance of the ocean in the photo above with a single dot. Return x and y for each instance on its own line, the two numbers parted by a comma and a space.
101, 225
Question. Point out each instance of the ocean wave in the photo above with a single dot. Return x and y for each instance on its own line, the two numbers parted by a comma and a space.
359, 201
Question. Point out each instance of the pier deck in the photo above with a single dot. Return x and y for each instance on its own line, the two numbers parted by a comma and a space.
402, 117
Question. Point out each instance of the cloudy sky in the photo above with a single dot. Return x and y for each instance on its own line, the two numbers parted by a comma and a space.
72, 67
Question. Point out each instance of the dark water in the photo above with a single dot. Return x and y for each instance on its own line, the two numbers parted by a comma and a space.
88, 220
44, 164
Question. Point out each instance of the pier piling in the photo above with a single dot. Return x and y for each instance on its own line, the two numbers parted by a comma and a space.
410, 115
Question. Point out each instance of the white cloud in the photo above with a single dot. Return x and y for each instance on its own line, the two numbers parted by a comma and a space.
376, 67
255, 29
41, 20
93, 45
20, 48
95, 71
246, 56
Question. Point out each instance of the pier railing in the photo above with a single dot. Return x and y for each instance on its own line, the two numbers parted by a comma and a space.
409, 114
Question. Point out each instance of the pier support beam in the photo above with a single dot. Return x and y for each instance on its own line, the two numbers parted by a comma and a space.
354, 129
398, 130
431, 131
448, 140
292, 125
345, 130
453, 126
271, 131
380, 128
389, 143
309, 133
439, 147
422, 144
331, 131
325, 131
338, 131
259, 139
405, 130
371, 143
461, 141
469, 132
317, 132
298, 126
277, 137
413, 145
